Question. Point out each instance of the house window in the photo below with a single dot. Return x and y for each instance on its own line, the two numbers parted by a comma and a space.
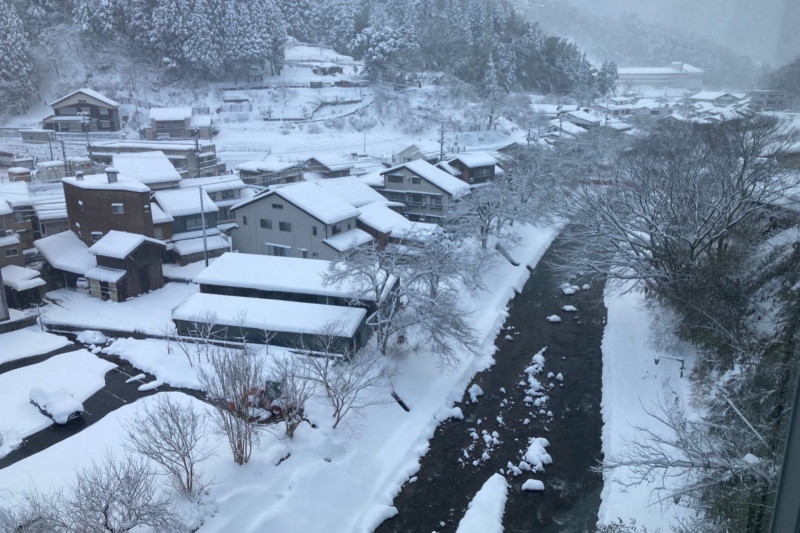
314, 254
97, 235
19, 217
43, 228
266, 224
305, 253
158, 232
244, 221
285, 226
277, 206
224, 213
393, 178
336, 228
103, 111
195, 222
12, 252
118, 209
226, 195
436, 202
396, 196
416, 181
147, 207
279, 251
349, 226
105, 123
416, 199
314, 231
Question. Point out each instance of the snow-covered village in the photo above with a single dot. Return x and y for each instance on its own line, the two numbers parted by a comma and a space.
399, 266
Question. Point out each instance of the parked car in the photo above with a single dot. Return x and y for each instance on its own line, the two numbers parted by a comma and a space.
82, 285
56, 403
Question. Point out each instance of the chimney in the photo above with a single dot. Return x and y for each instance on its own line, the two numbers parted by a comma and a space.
79, 175
112, 174
677, 65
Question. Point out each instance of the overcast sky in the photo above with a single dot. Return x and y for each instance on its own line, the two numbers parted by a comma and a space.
766, 30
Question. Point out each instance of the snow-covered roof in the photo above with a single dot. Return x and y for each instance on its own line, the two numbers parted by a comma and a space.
646, 70
21, 278
709, 96
65, 251
159, 216
553, 109
89, 92
373, 179
170, 113
436, 176
194, 246
475, 159
271, 315
200, 121
424, 148
19, 170
352, 190
15, 193
379, 217
333, 161
583, 115
9, 240
450, 169
269, 164
49, 204
5, 207
214, 183
120, 244
567, 126
151, 145
109, 275
617, 125
272, 273
311, 198
348, 240
182, 202
100, 182
146, 167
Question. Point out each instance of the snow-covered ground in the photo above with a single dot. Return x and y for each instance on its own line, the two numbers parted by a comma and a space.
27, 343
632, 384
485, 511
334, 480
79, 373
149, 313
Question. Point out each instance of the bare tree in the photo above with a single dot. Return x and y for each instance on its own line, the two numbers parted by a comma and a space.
347, 382
173, 435
485, 212
115, 496
400, 284
231, 381
296, 389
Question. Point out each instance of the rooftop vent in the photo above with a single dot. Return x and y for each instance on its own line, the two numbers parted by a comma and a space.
112, 174
79, 175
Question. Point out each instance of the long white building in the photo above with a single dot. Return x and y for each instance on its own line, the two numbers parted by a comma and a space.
678, 74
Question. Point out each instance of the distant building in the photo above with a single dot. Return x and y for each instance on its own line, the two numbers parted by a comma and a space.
11, 249
225, 191
50, 210
83, 106
270, 171
474, 167
19, 174
183, 155
428, 151
177, 123
677, 74
769, 100
16, 197
717, 98
153, 169
329, 166
51, 171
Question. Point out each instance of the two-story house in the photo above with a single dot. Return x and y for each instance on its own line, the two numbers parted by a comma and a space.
127, 265
81, 109
177, 123
428, 151
299, 220
225, 191
270, 171
425, 190
472, 168
11, 249
100, 203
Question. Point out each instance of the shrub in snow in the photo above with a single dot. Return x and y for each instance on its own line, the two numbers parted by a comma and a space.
554, 319
533, 484
91, 337
569, 309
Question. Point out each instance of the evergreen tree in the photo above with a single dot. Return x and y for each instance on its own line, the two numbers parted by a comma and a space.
202, 49
490, 91
607, 77
18, 76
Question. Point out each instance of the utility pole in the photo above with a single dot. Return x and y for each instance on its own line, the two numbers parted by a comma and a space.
203, 222
64, 155
441, 143
528, 138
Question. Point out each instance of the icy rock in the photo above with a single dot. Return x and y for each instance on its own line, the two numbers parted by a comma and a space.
550, 375
485, 457
487, 439
523, 465
586, 287
503, 390
560, 376
526, 421
509, 338
575, 288
536, 456
554, 318
569, 291
474, 436
550, 414
413, 479
533, 484
528, 399
513, 469
565, 285
569, 309
474, 392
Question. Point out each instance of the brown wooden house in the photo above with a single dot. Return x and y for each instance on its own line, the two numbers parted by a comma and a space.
100, 203
81, 109
127, 265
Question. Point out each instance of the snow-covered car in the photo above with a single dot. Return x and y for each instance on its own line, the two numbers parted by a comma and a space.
55, 402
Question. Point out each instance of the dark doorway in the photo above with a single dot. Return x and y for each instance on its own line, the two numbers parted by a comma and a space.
144, 279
